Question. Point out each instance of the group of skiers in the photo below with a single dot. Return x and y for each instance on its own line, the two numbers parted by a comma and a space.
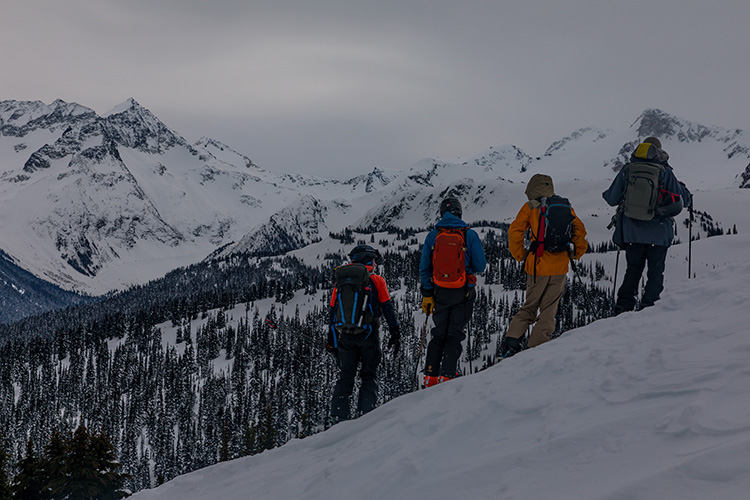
546, 235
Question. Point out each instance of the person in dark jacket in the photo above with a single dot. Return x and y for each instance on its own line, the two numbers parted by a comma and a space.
645, 241
451, 307
351, 349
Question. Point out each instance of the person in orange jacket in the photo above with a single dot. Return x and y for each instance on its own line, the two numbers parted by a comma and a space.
545, 269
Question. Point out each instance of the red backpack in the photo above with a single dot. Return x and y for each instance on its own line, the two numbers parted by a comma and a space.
449, 258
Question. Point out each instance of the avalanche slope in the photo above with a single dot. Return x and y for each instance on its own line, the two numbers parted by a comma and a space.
648, 405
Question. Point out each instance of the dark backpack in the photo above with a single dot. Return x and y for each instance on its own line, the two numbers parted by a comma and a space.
642, 190
353, 311
555, 225
449, 258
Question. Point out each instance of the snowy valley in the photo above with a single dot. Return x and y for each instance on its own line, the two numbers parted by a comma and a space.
209, 347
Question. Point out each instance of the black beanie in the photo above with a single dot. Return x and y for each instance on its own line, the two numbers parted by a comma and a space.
654, 141
452, 205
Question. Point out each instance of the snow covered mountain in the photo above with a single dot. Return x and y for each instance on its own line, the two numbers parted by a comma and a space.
96, 203
636, 400
648, 405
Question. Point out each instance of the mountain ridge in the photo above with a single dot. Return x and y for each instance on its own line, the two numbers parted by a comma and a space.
100, 203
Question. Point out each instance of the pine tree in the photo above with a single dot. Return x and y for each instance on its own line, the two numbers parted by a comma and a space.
52, 469
28, 484
268, 431
6, 492
111, 480
249, 446
226, 437
78, 474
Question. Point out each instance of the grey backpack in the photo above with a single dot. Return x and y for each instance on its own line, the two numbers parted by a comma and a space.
642, 190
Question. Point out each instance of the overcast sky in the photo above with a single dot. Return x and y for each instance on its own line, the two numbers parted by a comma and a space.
335, 88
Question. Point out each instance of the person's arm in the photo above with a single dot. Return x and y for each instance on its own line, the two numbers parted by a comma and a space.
386, 305
672, 185
332, 340
579, 236
613, 195
516, 231
477, 258
425, 265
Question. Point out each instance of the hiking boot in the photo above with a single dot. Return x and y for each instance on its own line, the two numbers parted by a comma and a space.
510, 346
621, 309
429, 381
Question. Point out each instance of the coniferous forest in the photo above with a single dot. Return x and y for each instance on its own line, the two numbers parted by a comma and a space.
214, 361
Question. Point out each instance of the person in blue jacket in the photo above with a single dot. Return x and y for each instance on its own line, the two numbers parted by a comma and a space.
451, 307
645, 242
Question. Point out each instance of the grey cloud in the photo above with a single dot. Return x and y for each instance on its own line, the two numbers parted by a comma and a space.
333, 86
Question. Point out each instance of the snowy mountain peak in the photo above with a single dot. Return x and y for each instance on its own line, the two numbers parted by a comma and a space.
501, 159
586, 135
123, 107
18, 118
134, 126
657, 123
376, 179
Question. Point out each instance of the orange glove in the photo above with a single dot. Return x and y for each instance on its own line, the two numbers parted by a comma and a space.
428, 304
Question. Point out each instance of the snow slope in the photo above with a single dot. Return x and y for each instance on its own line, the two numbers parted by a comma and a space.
648, 405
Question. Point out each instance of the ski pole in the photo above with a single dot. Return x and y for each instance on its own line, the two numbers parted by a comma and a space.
419, 352
690, 240
468, 346
614, 283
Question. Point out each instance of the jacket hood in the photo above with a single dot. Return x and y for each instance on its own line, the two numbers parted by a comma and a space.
649, 152
450, 221
540, 185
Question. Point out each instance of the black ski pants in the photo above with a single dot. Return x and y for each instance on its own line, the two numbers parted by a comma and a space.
353, 350
637, 256
453, 309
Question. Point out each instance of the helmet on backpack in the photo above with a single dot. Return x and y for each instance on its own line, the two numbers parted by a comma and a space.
672, 208
365, 254
452, 205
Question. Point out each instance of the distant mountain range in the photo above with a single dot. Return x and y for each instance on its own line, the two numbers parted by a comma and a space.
94, 203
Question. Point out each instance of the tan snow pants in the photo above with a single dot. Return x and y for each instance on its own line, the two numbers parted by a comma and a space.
543, 295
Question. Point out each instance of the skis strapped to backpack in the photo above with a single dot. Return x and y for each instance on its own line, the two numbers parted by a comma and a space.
555, 225
449, 258
353, 312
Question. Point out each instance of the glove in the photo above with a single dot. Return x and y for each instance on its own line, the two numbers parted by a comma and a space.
428, 304
571, 250
395, 340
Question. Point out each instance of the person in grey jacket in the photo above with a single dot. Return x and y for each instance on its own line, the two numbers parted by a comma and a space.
645, 242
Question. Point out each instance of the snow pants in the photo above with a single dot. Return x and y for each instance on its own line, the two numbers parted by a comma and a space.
353, 350
542, 294
637, 256
453, 309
